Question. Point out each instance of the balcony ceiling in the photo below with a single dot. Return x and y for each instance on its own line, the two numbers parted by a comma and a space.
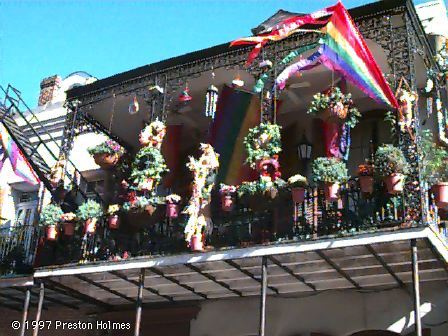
376, 261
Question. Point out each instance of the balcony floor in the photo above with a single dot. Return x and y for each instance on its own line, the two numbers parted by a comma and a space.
364, 262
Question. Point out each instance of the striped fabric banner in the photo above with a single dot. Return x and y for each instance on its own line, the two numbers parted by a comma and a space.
237, 111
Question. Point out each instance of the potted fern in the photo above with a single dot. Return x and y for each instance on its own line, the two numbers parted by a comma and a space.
89, 212
297, 184
106, 154
50, 217
331, 172
392, 167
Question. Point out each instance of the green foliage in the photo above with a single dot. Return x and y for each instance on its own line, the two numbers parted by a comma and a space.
89, 210
107, 147
434, 158
329, 170
263, 141
50, 215
391, 118
323, 101
390, 160
260, 187
148, 163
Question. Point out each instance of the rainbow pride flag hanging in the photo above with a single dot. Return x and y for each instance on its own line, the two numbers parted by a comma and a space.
19, 163
345, 51
237, 111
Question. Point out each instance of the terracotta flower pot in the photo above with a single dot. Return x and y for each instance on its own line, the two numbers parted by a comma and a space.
196, 243
394, 183
52, 232
298, 195
106, 161
366, 184
227, 203
69, 228
331, 191
90, 225
172, 210
440, 191
113, 222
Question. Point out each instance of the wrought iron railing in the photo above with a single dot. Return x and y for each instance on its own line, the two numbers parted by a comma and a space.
18, 245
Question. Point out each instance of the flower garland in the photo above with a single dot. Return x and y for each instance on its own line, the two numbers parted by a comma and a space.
406, 100
262, 142
338, 105
203, 171
153, 134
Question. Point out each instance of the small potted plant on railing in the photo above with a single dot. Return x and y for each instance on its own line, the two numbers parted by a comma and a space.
227, 193
391, 165
68, 223
50, 218
365, 175
89, 212
106, 154
332, 172
261, 194
113, 219
297, 184
172, 205
335, 106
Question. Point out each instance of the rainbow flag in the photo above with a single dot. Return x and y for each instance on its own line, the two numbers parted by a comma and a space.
344, 50
19, 163
237, 111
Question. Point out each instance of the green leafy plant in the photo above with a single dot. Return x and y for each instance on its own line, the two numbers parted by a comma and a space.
263, 141
329, 170
390, 160
335, 99
89, 210
107, 147
50, 215
148, 163
261, 186
435, 160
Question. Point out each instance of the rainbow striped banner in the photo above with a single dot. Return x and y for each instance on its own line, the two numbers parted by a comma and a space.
19, 163
237, 111
344, 50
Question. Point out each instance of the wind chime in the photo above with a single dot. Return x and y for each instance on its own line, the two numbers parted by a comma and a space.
211, 99
185, 95
134, 107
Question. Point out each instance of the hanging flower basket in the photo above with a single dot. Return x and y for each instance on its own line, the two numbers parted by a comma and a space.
153, 134
440, 191
335, 106
106, 161
52, 232
113, 222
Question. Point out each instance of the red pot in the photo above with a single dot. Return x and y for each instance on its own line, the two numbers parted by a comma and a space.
298, 195
69, 228
52, 232
394, 183
172, 210
366, 184
331, 191
440, 191
196, 243
90, 225
113, 222
227, 203
106, 161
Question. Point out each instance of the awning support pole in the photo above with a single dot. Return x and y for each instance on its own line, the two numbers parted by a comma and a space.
264, 287
39, 308
26, 305
138, 313
416, 292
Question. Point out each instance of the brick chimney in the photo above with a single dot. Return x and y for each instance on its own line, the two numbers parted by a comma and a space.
48, 89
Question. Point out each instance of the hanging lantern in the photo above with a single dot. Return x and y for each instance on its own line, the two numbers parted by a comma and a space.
211, 100
185, 96
134, 106
237, 82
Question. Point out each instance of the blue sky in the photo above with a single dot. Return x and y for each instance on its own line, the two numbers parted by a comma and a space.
42, 38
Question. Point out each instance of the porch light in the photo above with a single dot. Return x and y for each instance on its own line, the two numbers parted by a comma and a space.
304, 148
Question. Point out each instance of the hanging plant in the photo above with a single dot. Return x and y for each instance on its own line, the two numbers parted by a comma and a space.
89, 212
107, 153
153, 134
262, 142
335, 105
331, 172
50, 218
391, 165
147, 169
